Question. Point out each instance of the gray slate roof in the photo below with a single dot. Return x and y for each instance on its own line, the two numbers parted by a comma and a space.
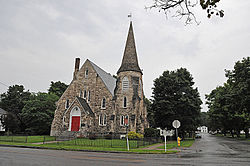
85, 105
107, 78
129, 60
2, 111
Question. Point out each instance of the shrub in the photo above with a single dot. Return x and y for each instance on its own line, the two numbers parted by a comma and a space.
133, 135
151, 132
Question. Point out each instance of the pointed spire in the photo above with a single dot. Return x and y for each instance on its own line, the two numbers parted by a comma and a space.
129, 60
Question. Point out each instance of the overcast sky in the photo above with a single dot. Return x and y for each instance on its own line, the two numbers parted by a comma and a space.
39, 41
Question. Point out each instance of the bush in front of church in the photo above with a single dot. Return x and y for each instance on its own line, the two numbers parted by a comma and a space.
133, 135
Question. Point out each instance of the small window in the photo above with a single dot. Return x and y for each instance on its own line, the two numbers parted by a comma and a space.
67, 104
80, 94
103, 104
102, 120
89, 96
124, 102
125, 83
85, 94
124, 120
86, 73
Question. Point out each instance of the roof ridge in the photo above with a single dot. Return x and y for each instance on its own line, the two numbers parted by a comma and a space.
108, 80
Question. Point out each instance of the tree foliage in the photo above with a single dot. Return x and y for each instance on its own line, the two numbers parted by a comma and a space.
183, 8
38, 113
175, 98
57, 88
31, 113
229, 105
13, 102
150, 112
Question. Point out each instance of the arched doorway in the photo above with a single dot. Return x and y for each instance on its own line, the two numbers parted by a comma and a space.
75, 119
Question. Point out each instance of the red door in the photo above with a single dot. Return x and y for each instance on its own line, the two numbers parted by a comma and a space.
75, 123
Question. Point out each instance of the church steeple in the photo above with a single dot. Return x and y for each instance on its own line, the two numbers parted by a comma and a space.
129, 60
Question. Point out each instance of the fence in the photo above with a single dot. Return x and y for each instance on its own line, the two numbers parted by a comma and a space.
27, 139
110, 143
87, 142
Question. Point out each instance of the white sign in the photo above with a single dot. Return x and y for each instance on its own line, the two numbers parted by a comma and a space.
176, 124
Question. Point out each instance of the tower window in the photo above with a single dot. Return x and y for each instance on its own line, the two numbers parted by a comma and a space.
85, 94
89, 96
86, 73
80, 94
103, 104
124, 120
124, 102
102, 120
125, 83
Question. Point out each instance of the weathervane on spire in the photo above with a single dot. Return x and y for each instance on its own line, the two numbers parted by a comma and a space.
130, 16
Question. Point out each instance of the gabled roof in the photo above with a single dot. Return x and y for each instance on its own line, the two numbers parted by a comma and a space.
85, 105
129, 60
108, 79
2, 111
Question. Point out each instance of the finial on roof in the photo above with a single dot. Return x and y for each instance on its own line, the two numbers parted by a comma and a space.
129, 60
130, 16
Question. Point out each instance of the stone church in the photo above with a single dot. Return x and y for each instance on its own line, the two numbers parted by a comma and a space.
96, 102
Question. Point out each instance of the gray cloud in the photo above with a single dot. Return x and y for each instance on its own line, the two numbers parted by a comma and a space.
40, 40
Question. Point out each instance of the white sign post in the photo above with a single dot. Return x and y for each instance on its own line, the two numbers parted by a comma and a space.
164, 133
176, 124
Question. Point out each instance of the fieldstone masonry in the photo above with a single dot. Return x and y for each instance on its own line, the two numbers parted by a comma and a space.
91, 87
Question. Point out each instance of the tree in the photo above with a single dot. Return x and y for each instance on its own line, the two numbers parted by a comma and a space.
239, 79
182, 8
175, 98
13, 102
229, 105
57, 88
204, 119
38, 113
150, 113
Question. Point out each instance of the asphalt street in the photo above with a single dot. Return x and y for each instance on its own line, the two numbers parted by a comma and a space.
209, 150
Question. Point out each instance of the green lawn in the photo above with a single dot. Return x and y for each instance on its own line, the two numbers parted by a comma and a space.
77, 147
107, 143
26, 139
173, 144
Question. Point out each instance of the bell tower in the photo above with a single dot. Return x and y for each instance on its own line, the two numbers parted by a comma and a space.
130, 107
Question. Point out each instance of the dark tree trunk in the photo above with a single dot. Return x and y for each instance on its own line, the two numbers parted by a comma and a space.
232, 133
246, 130
238, 133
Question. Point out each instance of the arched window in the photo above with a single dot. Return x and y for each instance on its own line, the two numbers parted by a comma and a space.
124, 102
89, 96
103, 104
125, 83
67, 104
86, 73
85, 94
102, 120
80, 94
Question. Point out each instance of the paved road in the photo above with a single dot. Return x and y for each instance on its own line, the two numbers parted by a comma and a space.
209, 150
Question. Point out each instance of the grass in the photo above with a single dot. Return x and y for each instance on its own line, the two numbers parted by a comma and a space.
113, 143
173, 144
81, 144
77, 148
26, 139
